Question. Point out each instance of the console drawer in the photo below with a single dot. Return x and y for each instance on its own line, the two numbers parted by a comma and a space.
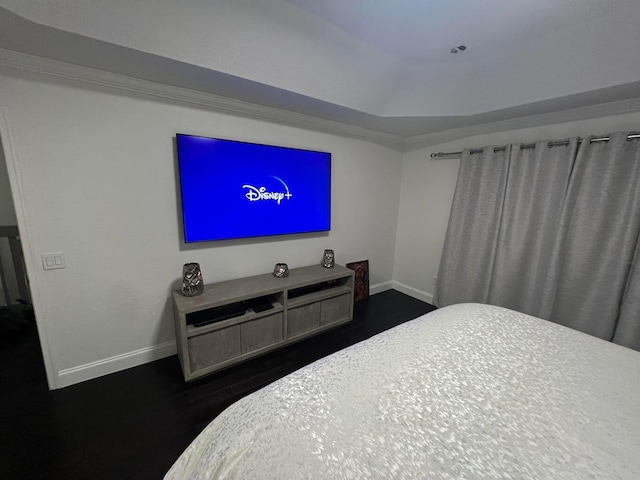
303, 319
335, 309
214, 347
262, 332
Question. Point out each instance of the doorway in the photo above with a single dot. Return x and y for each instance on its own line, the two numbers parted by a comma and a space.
20, 350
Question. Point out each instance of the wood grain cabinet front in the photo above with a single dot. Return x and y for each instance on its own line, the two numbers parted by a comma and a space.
335, 309
265, 331
236, 320
303, 319
214, 347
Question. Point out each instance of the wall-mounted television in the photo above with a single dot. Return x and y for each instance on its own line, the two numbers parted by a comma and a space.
232, 189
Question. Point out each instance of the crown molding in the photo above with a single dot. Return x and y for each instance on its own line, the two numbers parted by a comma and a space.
133, 86
582, 113
32, 64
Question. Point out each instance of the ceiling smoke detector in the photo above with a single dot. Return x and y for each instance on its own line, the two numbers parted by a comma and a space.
459, 48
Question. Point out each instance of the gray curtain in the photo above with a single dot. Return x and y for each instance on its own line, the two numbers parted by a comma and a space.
559, 235
473, 236
538, 180
628, 328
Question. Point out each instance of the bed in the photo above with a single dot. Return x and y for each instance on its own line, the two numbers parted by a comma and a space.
465, 392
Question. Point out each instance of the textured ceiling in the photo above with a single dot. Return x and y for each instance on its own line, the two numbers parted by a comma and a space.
381, 65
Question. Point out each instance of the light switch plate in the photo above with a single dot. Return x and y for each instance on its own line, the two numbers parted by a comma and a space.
51, 261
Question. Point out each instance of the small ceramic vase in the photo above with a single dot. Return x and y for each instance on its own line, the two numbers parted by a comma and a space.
192, 283
328, 259
281, 270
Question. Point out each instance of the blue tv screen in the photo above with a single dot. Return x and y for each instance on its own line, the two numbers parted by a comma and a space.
233, 189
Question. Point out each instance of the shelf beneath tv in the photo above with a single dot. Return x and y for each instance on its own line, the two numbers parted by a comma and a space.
309, 301
316, 296
192, 330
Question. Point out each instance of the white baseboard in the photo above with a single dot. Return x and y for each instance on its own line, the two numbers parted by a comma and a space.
88, 371
380, 287
413, 292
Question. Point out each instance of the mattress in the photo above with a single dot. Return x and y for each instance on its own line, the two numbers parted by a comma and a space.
465, 392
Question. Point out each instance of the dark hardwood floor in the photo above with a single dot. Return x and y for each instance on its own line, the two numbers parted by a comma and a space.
134, 424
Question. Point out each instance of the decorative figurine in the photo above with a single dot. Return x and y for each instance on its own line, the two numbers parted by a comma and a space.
192, 283
281, 270
328, 259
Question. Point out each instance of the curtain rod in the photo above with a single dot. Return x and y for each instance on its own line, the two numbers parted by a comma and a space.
529, 145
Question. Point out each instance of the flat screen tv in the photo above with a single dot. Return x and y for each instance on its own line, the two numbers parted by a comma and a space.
233, 189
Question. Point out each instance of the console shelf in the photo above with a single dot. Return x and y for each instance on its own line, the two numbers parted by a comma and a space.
192, 330
307, 302
319, 295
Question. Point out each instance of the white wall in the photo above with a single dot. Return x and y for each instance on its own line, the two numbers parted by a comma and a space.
94, 176
427, 192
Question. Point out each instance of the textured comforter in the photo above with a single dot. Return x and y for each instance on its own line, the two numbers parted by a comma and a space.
465, 392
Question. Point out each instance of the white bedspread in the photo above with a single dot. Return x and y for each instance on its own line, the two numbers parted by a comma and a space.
465, 392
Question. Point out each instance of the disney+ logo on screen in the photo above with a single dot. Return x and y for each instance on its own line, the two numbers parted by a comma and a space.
256, 194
